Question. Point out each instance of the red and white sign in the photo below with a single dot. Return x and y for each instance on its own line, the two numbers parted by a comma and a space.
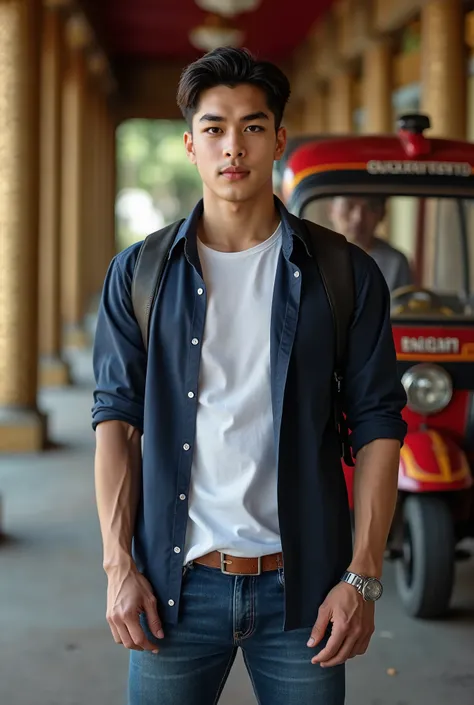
439, 344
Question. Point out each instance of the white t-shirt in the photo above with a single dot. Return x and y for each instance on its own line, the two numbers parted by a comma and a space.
233, 492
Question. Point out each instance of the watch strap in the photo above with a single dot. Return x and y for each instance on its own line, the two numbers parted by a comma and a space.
354, 579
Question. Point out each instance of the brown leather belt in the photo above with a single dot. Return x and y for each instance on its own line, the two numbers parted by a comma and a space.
231, 565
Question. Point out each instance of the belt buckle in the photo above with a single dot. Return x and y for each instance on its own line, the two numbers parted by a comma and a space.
225, 562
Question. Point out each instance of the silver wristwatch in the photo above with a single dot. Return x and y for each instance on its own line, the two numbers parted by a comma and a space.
371, 589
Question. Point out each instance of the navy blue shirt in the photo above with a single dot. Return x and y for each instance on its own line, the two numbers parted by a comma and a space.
152, 394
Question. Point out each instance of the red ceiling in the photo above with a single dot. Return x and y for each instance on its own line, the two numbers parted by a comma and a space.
159, 29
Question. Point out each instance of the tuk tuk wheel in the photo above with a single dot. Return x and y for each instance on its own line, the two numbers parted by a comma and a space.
425, 572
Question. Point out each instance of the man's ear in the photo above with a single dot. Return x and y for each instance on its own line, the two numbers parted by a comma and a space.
280, 143
189, 147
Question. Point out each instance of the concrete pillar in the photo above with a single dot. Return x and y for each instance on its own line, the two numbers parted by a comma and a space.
22, 426
443, 67
73, 187
377, 88
54, 370
340, 104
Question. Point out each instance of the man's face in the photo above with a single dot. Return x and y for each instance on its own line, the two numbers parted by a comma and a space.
356, 218
234, 143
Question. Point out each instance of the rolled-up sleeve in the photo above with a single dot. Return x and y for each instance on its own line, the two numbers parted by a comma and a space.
119, 355
374, 395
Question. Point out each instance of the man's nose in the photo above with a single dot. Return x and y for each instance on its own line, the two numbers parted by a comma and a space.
234, 148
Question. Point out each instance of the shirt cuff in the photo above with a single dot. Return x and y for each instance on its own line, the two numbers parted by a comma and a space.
370, 431
102, 415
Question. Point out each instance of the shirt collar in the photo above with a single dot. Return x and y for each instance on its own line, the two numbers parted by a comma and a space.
291, 227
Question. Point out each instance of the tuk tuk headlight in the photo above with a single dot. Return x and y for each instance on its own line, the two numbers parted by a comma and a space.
428, 387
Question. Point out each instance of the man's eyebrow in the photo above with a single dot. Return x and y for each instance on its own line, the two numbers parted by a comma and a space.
255, 116
209, 117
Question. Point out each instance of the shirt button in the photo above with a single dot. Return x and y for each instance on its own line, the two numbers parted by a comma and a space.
200, 291
191, 395
171, 603
177, 549
194, 341
296, 274
182, 497
186, 446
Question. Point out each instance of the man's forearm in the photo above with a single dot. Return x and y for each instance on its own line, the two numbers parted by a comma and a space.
375, 497
118, 485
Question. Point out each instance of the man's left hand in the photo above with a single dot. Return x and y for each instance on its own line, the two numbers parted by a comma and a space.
353, 623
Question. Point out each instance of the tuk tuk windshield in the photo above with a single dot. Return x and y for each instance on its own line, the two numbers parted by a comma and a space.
420, 242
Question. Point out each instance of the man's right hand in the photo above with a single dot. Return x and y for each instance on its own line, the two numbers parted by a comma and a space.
129, 594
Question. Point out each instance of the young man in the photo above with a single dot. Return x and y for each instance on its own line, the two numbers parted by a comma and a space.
358, 218
237, 506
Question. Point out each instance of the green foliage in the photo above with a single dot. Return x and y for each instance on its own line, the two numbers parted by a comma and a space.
151, 157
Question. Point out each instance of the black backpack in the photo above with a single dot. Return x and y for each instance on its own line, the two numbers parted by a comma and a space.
331, 252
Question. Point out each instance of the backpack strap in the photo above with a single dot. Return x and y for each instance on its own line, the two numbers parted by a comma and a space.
148, 273
332, 255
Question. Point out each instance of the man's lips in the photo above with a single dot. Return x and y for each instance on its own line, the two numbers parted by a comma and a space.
234, 173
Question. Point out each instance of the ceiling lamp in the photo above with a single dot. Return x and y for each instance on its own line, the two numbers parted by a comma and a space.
215, 32
228, 8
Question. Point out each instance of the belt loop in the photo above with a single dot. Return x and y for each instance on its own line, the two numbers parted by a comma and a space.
280, 561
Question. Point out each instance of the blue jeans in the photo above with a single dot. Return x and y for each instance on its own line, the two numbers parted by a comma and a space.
219, 614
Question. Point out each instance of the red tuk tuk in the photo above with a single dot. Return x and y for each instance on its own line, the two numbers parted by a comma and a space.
428, 188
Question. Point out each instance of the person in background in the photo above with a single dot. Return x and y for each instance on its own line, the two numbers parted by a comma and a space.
358, 218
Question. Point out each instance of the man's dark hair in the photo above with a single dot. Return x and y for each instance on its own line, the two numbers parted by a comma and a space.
231, 67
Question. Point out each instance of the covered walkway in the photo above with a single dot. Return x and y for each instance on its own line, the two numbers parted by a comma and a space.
70, 72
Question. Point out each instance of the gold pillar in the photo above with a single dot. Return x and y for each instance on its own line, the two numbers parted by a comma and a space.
340, 104
315, 114
22, 426
90, 191
443, 67
73, 186
53, 369
102, 204
293, 118
377, 88
111, 187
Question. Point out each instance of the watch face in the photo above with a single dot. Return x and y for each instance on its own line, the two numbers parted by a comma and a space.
372, 589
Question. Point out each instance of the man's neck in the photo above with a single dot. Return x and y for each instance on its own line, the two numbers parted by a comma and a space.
366, 244
234, 227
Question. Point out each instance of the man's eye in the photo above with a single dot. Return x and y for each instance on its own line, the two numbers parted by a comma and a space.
254, 128
213, 130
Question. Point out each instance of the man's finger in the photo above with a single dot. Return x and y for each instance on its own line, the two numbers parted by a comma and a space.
138, 635
125, 637
320, 627
360, 647
115, 633
335, 641
342, 655
154, 622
